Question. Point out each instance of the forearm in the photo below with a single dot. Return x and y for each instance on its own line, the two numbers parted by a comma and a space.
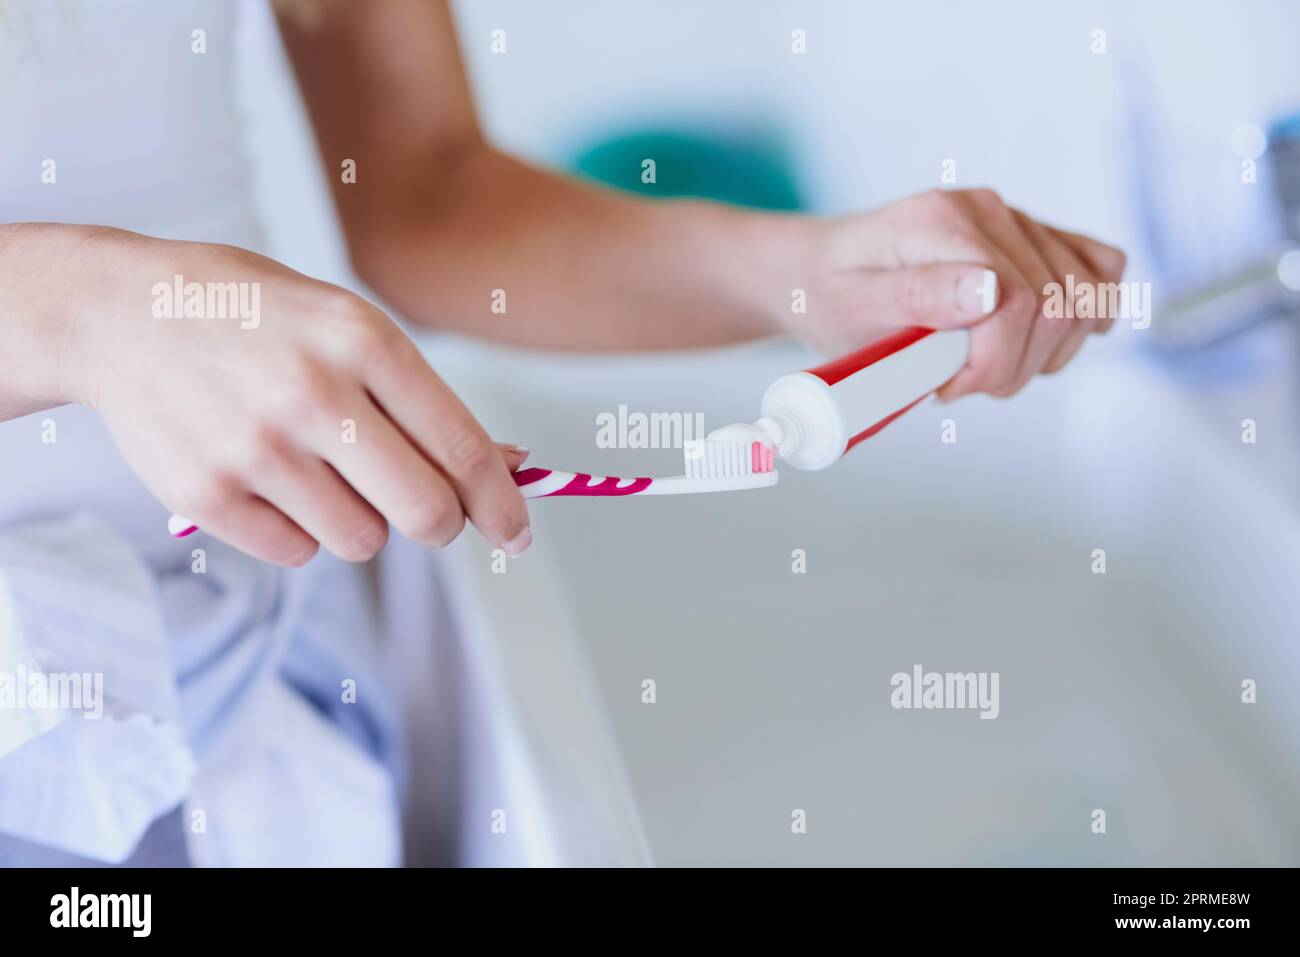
446, 229
38, 302
572, 265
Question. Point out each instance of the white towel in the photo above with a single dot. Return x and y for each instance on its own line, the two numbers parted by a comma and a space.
86, 784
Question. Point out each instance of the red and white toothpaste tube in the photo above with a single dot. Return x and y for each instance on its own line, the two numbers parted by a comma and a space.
811, 418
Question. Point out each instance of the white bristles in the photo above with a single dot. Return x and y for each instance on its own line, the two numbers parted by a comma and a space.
713, 458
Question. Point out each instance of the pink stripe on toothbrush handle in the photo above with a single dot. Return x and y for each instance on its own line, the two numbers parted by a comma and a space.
178, 526
610, 486
528, 476
579, 484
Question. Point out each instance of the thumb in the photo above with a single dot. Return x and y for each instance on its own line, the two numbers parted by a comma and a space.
936, 295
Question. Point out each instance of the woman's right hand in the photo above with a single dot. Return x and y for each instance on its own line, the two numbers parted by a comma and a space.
308, 419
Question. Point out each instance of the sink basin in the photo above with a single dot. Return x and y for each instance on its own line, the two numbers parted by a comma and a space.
1119, 691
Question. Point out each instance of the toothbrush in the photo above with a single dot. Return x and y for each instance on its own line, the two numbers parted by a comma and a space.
178, 526
809, 419
711, 466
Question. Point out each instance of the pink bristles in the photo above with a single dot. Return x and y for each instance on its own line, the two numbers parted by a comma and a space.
763, 457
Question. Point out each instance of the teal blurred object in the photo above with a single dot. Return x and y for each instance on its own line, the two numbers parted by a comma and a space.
746, 171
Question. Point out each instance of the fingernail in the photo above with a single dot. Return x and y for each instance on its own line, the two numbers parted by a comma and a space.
519, 544
520, 453
977, 292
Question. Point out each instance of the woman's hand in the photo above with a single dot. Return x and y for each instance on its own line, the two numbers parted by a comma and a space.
304, 416
922, 262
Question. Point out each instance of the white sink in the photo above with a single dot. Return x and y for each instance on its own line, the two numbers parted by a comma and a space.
1119, 691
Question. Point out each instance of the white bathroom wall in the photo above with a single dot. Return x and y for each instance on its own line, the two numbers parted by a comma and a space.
1017, 92
882, 96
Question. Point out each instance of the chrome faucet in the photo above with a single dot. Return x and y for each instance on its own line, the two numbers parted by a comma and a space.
1267, 288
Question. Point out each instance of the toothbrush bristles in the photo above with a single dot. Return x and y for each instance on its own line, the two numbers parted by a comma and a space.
716, 458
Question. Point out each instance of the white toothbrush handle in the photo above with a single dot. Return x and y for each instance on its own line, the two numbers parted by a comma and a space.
178, 526
548, 483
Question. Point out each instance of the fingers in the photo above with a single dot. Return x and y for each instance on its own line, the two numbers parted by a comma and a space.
255, 527
1021, 339
1051, 332
1036, 340
340, 516
1066, 352
391, 473
422, 406
315, 497
998, 343
1109, 262
1106, 260
935, 296
292, 487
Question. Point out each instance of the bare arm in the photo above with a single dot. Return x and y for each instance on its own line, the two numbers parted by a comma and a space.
36, 303
438, 219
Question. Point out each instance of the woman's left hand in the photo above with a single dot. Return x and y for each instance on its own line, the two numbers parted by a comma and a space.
924, 261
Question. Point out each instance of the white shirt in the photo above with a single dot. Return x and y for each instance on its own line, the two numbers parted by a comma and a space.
223, 691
